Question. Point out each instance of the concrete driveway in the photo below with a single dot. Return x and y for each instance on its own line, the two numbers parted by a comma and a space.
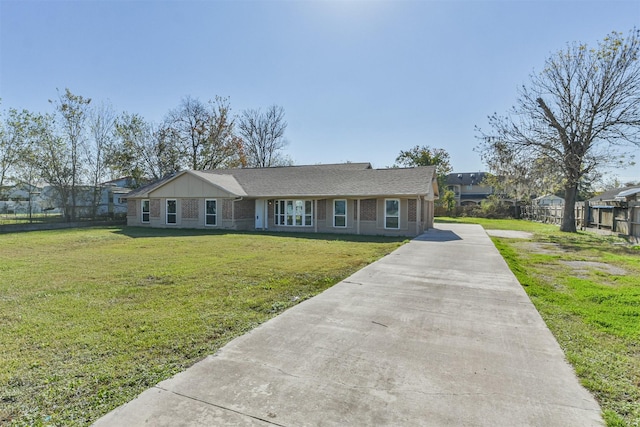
437, 333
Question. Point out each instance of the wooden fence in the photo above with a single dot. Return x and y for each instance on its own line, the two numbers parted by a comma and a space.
623, 219
548, 214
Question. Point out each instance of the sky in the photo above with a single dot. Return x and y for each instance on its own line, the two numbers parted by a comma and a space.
359, 80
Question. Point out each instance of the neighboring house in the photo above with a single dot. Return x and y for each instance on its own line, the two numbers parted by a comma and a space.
124, 182
468, 188
548, 200
548, 208
109, 200
23, 198
19, 198
617, 210
341, 198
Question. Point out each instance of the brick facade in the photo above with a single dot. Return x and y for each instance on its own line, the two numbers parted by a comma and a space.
368, 210
413, 210
132, 207
245, 209
154, 208
322, 210
190, 208
227, 209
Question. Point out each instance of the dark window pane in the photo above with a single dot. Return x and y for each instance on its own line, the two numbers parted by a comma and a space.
392, 222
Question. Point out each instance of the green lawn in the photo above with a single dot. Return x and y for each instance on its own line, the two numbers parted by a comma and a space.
89, 318
587, 289
9, 219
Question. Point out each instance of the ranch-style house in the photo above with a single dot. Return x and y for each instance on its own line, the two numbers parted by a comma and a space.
349, 198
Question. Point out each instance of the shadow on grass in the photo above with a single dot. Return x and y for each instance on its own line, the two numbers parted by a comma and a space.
138, 232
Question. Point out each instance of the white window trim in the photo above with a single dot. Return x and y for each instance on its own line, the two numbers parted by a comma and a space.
166, 205
391, 216
346, 213
278, 214
142, 212
215, 216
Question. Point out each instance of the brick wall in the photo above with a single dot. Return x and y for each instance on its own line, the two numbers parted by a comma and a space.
227, 208
368, 210
154, 208
413, 211
322, 210
245, 209
190, 208
132, 207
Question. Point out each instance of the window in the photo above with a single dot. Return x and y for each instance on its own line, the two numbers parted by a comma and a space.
339, 213
210, 215
172, 211
296, 213
308, 221
145, 210
392, 213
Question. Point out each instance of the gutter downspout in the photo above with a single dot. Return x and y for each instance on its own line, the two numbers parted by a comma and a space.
315, 214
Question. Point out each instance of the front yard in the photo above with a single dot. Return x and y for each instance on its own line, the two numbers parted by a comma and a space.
89, 318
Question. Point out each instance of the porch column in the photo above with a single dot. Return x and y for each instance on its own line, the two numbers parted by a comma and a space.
418, 216
315, 215
265, 225
357, 216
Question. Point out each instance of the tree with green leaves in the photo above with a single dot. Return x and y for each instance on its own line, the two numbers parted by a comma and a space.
28, 170
204, 133
14, 129
579, 114
141, 152
427, 156
54, 163
223, 147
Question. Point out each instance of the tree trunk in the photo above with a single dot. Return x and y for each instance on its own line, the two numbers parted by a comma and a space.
569, 215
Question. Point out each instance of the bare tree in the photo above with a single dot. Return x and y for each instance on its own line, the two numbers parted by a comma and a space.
263, 136
188, 125
101, 128
575, 115
72, 109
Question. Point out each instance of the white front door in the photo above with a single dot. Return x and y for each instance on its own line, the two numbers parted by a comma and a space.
260, 214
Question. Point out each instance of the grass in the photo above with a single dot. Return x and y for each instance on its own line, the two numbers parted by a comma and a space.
8, 219
587, 288
89, 318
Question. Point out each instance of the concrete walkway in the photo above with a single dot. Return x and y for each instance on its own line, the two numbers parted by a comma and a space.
438, 333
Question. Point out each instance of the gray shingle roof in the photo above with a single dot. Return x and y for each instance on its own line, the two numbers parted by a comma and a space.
314, 181
346, 180
146, 189
610, 195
